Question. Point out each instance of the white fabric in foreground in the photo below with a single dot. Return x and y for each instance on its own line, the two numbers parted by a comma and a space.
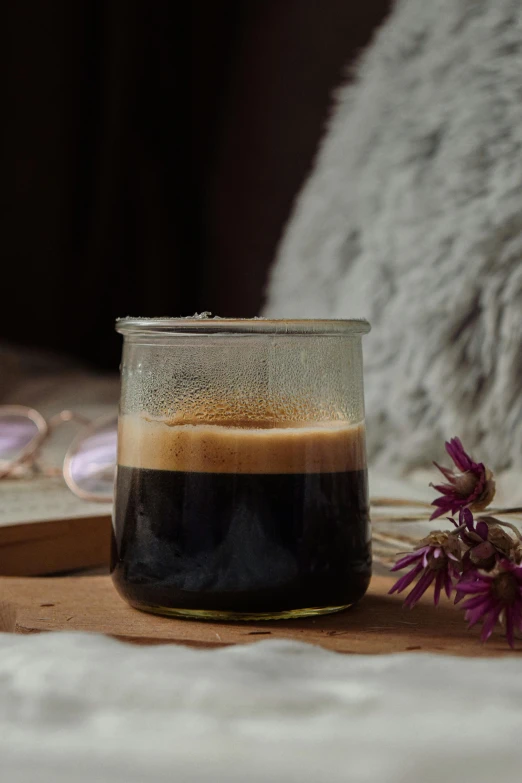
82, 708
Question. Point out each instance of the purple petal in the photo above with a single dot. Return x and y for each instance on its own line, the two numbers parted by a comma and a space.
455, 450
438, 587
448, 586
482, 530
407, 560
478, 586
458, 596
437, 552
466, 518
445, 501
406, 580
446, 489
457, 453
420, 588
473, 616
489, 624
472, 603
509, 626
480, 470
446, 472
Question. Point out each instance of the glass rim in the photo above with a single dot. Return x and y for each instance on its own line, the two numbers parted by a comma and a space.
207, 324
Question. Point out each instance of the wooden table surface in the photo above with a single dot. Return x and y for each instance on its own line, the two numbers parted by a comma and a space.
378, 624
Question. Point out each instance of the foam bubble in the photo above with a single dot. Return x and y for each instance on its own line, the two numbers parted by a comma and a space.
328, 447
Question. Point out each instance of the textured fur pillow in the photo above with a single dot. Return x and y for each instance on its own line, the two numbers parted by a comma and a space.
413, 218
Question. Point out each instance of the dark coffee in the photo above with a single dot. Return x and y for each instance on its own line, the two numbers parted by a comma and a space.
266, 533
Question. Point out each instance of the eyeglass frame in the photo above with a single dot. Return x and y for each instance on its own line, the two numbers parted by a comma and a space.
29, 453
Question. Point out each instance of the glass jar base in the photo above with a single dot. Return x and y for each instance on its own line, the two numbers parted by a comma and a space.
220, 615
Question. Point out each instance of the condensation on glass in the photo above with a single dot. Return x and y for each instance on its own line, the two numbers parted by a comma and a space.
241, 487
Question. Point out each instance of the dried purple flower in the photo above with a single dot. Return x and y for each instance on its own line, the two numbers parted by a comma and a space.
438, 558
487, 544
480, 550
480, 559
470, 486
494, 596
503, 542
485, 541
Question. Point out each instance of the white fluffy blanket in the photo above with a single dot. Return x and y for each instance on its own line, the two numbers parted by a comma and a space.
412, 217
80, 708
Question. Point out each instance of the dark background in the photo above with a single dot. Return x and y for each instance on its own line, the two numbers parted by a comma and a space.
151, 153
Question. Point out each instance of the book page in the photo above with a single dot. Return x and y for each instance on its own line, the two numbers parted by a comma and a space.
42, 498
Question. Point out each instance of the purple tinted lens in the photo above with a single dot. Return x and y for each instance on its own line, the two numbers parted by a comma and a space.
93, 462
16, 433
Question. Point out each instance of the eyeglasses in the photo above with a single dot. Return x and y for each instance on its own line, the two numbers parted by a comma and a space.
90, 462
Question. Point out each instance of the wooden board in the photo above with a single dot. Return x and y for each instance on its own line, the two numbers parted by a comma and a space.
45, 529
377, 625
56, 545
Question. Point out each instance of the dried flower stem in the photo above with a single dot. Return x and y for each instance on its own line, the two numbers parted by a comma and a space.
378, 502
504, 511
509, 525
395, 518
425, 517
384, 561
400, 541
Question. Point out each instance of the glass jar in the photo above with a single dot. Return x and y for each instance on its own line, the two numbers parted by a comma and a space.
241, 488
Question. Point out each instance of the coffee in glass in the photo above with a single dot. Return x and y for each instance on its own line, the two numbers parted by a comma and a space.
241, 488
